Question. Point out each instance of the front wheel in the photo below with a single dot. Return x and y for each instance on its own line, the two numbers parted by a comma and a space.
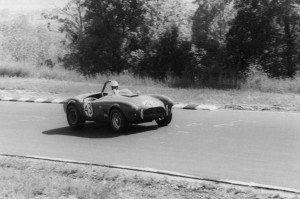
164, 121
74, 118
118, 122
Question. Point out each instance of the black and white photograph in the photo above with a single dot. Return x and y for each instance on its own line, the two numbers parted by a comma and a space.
143, 99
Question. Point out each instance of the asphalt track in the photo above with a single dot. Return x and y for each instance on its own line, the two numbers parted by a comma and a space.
260, 147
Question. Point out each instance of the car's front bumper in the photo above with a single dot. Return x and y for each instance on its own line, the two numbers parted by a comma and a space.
148, 115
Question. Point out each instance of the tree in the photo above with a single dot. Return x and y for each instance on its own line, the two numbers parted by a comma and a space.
171, 57
288, 24
162, 15
72, 24
249, 34
112, 30
22, 41
163, 53
71, 17
213, 19
268, 39
211, 23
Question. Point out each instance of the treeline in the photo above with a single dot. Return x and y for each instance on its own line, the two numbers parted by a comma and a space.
213, 45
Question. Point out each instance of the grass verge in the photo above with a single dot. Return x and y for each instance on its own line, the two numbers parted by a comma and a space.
256, 79
27, 178
228, 99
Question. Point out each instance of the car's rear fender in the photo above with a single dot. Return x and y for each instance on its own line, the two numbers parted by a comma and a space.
74, 102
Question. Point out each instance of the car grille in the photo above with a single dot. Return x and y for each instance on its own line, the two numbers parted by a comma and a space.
154, 111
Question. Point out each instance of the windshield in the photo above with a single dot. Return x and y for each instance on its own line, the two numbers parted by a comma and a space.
126, 92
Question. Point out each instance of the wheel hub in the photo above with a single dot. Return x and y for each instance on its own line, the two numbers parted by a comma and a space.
73, 116
116, 120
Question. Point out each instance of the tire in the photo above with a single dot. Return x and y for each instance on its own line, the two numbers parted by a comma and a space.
164, 121
74, 118
117, 120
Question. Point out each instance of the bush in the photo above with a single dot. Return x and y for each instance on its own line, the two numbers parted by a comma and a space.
257, 79
30, 42
14, 70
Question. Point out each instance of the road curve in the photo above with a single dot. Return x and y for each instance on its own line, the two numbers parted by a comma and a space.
260, 147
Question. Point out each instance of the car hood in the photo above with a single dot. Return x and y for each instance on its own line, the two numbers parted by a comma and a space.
142, 101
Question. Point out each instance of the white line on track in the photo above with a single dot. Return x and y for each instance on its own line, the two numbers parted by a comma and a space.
7, 98
23, 99
233, 123
57, 101
184, 132
195, 124
39, 100
55, 159
207, 107
179, 106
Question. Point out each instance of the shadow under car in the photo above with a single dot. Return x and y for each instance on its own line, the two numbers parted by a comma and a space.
98, 130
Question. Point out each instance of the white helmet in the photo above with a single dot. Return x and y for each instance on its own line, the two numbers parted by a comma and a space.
114, 83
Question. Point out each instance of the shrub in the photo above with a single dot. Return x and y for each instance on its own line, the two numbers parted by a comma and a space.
257, 79
14, 70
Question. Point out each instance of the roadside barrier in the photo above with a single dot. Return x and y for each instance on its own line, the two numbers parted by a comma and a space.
196, 107
34, 100
61, 101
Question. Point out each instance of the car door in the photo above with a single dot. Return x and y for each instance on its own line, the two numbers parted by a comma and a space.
94, 110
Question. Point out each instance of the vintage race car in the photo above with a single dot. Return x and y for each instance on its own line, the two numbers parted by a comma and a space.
119, 110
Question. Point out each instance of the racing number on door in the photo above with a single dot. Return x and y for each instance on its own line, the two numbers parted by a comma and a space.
88, 109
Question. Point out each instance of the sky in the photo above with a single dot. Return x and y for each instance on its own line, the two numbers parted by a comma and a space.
28, 5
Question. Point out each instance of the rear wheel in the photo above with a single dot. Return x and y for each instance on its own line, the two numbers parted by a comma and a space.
118, 122
165, 121
74, 118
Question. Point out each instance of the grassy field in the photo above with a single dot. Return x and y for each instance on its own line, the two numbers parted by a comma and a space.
27, 178
245, 99
256, 80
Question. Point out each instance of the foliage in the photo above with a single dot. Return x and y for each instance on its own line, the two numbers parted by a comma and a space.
25, 70
112, 31
156, 38
270, 38
168, 56
162, 15
215, 46
210, 25
119, 35
212, 20
258, 79
71, 23
24, 41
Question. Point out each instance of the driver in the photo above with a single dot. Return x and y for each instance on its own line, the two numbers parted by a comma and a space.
114, 87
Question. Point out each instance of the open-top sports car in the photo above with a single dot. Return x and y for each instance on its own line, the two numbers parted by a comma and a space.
118, 109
